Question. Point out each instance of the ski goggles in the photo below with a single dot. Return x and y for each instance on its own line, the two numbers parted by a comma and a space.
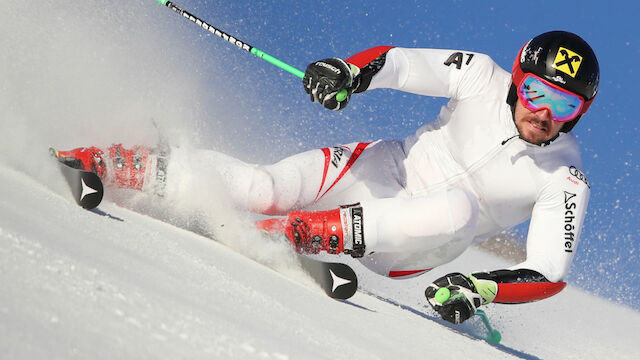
537, 94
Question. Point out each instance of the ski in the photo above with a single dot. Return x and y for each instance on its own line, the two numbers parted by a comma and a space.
338, 280
85, 186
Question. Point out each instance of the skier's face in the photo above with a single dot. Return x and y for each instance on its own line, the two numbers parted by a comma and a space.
535, 127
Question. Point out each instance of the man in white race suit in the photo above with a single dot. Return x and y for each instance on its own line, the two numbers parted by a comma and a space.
499, 153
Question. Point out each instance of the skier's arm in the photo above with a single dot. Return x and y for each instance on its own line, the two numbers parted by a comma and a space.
515, 286
554, 232
434, 72
325, 79
501, 286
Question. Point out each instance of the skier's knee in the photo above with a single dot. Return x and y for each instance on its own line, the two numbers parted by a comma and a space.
273, 190
463, 211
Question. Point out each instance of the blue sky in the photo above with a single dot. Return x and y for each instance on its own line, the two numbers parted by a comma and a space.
270, 110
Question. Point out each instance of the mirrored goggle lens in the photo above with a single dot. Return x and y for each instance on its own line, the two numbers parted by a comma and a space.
537, 94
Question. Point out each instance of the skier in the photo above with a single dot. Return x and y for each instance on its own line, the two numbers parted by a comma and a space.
499, 153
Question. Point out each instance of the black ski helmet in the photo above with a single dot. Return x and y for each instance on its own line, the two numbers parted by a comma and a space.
562, 58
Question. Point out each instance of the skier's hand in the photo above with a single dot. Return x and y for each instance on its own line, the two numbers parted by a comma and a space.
457, 299
325, 79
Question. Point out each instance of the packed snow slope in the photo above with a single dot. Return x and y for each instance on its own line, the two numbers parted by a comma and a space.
117, 284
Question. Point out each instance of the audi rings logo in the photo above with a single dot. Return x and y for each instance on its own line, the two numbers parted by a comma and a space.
579, 175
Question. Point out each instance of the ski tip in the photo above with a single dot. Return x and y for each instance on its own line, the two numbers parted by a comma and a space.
53, 152
90, 191
86, 186
338, 280
343, 281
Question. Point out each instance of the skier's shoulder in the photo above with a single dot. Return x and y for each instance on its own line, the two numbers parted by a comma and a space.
482, 76
454, 59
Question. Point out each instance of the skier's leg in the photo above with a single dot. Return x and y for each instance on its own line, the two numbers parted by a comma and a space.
411, 236
393, 236
325, 177
268, 189
309, 179
139, 167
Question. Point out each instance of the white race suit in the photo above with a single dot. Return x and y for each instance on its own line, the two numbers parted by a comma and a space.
463, 177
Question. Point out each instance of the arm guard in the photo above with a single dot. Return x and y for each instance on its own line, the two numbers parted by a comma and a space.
369, 62
520, 286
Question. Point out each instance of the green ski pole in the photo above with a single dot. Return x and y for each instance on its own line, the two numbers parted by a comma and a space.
241, 44
494, 335
443, 294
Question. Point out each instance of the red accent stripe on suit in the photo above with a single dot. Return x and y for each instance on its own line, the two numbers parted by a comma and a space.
394, 274
354, 156
514, 293
362, 58
327, 160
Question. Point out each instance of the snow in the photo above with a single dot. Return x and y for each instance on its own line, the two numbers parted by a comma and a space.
114, 283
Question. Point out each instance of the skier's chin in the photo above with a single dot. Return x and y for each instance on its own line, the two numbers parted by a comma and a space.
533, 134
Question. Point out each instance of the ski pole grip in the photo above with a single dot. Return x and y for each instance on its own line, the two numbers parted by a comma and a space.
342, 95
443, 294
